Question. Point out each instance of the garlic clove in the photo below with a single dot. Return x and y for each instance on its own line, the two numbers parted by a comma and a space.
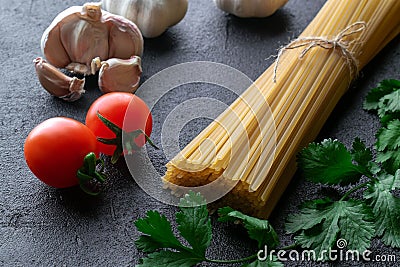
57, 83
120, 75
125, 38
250, 8
77, 35
51, 43
81, 33
153, 17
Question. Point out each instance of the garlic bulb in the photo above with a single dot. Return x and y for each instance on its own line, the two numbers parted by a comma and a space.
250, 8
79, 34
153, 17
121, 74
85, 39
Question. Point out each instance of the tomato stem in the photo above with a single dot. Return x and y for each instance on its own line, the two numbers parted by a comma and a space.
88, 176
129, 146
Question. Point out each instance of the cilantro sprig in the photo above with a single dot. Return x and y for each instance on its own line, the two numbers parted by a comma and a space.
384, 100
259, 230
194, 225
318, 226
320, 223
330, 162
386, 207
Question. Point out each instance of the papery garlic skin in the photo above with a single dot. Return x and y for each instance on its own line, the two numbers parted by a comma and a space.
82, 39
153, 17
120, 75
250, 8
57, 83
81, 33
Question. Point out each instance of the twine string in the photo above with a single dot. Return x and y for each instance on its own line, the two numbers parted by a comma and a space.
339, 43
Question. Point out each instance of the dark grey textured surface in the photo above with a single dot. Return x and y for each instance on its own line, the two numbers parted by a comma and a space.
41, 226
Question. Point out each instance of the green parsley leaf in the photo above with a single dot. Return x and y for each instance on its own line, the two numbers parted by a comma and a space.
158, 232
266, 263
388, 144
389, 137
167, 258
317, 203
360, 153
319, 228
329, 162
223, 214
194, 225
385, 100
259, 230
390, 160
194, 222
147, 244
373, 99
363, 156
386, 207
389, 103
385, 119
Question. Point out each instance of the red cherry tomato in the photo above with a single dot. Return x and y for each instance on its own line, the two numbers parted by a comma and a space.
125, 110
55, 150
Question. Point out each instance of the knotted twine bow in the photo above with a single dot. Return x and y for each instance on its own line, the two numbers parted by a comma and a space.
338, 44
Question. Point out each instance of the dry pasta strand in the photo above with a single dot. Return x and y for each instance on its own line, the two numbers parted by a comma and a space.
256, 139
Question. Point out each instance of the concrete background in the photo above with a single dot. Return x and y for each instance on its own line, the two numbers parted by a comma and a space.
42, 226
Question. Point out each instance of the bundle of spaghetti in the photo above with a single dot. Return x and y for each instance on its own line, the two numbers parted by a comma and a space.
256, 139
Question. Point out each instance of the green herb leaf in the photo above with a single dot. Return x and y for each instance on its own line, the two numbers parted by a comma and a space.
317, 203
194, 222
320, 228
223, 214
385, 119
194, 225
167, 258
309, 216
360, 153
389, 103
389, 137
373, 99
329, 162
147, 244
390, 160
266, 263
158, 231
388, 144
386, 207
259, 230
363, 156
